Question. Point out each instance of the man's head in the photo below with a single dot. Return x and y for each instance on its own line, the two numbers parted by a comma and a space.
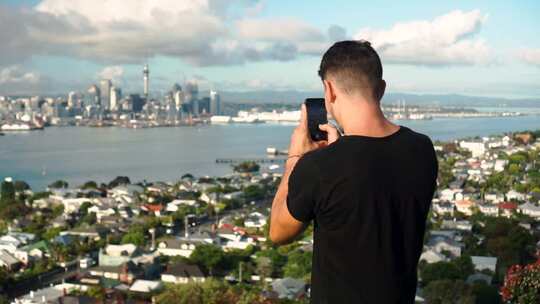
352, 69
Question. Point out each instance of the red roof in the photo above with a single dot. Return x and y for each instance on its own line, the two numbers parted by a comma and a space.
508, 205
153, 208
234, 228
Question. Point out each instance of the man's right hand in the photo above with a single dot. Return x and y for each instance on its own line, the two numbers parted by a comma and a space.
332, 132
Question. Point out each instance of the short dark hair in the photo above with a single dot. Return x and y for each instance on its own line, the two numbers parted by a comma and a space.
354, 64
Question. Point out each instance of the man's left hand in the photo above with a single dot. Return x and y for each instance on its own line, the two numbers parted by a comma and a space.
300, 140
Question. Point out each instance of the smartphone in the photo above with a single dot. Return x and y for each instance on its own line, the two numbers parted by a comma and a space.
316, 115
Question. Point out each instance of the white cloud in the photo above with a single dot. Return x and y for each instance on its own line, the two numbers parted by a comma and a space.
445, 40
114, 73
15, 74
278, 29
201, 32
530, 56
15, 80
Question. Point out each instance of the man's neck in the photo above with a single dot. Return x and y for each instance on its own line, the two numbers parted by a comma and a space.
365, 117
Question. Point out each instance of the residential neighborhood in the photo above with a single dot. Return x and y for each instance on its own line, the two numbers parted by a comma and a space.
164, 241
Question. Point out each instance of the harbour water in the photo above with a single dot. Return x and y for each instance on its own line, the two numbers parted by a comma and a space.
80, 154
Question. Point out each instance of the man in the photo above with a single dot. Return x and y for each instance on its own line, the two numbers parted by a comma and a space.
367, 191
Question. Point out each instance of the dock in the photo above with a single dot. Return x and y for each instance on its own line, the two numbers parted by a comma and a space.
256, 160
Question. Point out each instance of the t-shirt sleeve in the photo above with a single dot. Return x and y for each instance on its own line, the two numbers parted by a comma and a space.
303, 187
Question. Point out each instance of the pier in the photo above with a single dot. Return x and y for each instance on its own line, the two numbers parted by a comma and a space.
256, 160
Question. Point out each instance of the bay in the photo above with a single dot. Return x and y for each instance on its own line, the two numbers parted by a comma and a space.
80, 154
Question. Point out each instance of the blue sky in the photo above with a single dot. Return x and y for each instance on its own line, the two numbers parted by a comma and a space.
487, 48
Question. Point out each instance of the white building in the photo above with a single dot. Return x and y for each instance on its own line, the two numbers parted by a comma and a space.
477, 148
530, 209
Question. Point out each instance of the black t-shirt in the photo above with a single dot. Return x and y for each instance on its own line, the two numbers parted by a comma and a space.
369, 198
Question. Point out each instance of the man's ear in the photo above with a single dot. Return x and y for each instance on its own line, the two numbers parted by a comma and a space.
379, 91
329, 91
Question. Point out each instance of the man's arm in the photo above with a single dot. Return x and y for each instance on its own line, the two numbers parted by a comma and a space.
283, 226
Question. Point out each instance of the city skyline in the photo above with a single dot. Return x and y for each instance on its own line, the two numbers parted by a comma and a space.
480, 48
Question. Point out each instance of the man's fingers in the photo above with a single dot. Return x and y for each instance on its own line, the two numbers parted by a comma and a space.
328, 128
333, 133
303, 117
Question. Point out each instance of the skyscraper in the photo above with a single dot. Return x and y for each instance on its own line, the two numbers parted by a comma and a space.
191, 97
146, 76
137, 102
105, 87
215, 103
116, 95
94, 96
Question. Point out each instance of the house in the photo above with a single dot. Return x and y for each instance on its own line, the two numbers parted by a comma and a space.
500, 165
479, 277
464, 206
289, 288
13, 240
210, 198
52, 294
255, 220
233, 195
126, 272
443, 208
431, 256
477, 148
91, 232
173, 206
507, 209
8, 261
463, 225
145, 286
153, 208
114, 255
182, 273
443, 244
451, 234
126, 190
101, 211
494, 198
72, 205
513, 195
177, 247
482, 262
488, 209
530, 209
37, 250
233, 237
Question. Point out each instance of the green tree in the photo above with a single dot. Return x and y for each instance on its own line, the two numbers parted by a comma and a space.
135, 236
247, 167
51, 233
21, 186
486, 294
209, 256
439, 271
464, 265
449, 292
83, 210
90, 185
59, 184
7, 192
298, 265
253, 192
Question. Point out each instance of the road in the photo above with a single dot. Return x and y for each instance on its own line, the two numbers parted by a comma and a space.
54, 276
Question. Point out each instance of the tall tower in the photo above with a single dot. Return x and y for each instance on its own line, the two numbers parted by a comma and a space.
215, 103
146, 73
116, 95
105, 88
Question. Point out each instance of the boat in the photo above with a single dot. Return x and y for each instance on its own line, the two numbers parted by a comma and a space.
15, 127
220, 119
